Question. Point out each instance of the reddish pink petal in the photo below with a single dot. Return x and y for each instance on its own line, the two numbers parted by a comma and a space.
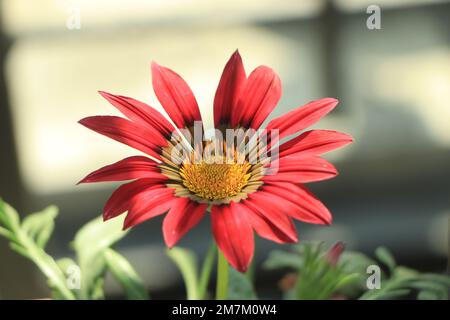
140, 112
175, 96
268, 220
127, 169
234, 235
259, 97
136, 136
290, 207
119, 202
309, 208
314, 142
182, 216
229, 90
148, 204
302, 117
301, 170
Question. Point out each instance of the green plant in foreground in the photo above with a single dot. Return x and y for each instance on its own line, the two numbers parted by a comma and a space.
319, 273
317, 278
239, 284
92, 245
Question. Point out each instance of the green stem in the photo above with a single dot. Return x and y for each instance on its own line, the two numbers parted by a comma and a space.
222, 277
48, 266
206, 270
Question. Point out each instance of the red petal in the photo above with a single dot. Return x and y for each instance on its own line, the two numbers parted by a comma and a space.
140, 112
314, 142
127, 169
229, 90
148, 204
259, 97
141, 138
309, 208
175, 96
302, 117
301, 170
119, 201
182, 216
234, 235
271, 224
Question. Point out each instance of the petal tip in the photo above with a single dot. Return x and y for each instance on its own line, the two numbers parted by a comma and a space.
127, 224
154, 65
108, 96
236, 55
169, 245
83, 121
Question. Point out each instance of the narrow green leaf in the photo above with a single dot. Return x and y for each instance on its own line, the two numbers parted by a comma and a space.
7, 234
90, 243
427, 285
346, 280
65, 263
96, 292
207, 267
19, 249
39, 226
432, 295
127, 277
385, 256
9, 216
187, 264
439, 278
31, 246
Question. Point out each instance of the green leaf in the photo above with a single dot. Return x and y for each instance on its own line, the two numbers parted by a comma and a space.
427, 285
207, 267
385, 256
96, 292
9, 216
65, 263
351, 261
393, 294
239, 286
124, 273
19, 249
354, 262
39, 226
90, 244
187, 264
7, 234
28, 240
439, 278
432, 295
346, 280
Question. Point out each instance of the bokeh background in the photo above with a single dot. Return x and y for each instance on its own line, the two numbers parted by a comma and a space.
393, 84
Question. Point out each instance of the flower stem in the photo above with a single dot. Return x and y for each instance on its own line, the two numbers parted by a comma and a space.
222, 277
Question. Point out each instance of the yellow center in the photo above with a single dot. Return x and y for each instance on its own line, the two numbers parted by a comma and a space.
215, 181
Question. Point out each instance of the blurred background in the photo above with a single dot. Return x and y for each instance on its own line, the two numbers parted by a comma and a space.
393, 85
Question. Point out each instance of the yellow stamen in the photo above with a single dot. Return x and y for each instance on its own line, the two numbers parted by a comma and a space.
214, 181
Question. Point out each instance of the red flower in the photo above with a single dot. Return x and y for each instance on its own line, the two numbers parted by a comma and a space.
241, 196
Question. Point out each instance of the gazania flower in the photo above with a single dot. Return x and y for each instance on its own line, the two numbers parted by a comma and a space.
240, 196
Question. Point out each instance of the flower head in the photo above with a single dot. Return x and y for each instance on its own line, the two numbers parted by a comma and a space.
245, 184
